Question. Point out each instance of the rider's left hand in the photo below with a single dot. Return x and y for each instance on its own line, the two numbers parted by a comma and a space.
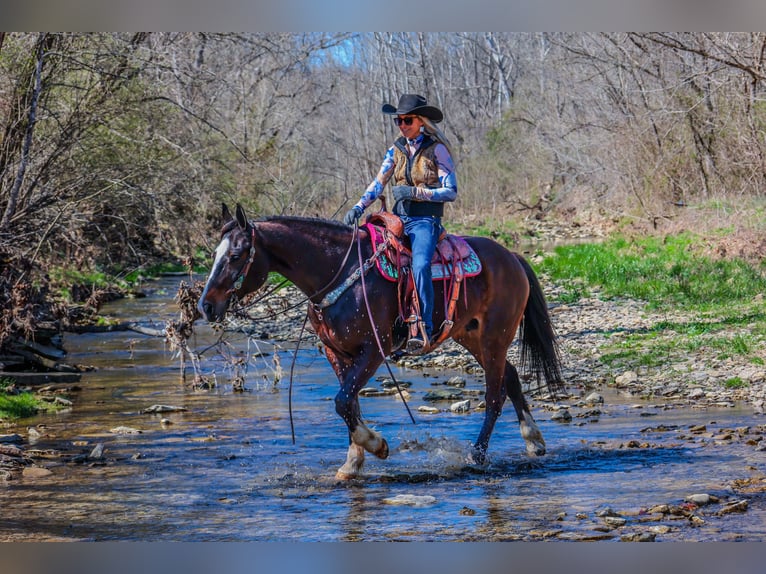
403, 192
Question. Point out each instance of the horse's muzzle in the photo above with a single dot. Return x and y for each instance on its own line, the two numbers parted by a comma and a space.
208, 311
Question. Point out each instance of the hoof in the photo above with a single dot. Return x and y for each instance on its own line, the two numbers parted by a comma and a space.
382, 452
535, 450
478, 457
344, 476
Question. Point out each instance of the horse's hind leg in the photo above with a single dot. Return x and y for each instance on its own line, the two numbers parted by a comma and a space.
529, 430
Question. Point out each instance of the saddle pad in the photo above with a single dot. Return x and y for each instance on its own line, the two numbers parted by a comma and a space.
442, 262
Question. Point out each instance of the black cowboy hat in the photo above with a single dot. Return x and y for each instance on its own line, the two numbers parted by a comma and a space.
414, 104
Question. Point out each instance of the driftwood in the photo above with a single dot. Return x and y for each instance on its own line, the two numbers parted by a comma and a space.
129, 326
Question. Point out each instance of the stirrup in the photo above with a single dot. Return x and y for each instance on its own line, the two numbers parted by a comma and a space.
415, 345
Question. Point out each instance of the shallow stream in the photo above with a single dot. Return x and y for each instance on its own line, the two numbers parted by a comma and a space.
225, 468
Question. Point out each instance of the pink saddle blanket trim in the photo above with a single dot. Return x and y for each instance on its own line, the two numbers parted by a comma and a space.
442, 262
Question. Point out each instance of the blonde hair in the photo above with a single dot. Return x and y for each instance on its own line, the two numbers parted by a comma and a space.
436, 134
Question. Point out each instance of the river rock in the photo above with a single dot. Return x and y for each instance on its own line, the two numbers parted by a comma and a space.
163, 409
97, 453
562, 416
410, 500
35, 472
626, 378
124, 430
7, 438
639, 537
701, 499
460, 406
739, 506
594, 399
428, 410
457, 381
443, 395
615, 521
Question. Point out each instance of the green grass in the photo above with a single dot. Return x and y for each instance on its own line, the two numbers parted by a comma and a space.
22, 405
19, 406
658, 271
722, 298
735, 383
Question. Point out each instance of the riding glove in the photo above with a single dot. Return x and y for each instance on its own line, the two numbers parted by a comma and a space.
404, 192
353, 215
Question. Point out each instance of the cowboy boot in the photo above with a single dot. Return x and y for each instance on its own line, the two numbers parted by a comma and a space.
419, 342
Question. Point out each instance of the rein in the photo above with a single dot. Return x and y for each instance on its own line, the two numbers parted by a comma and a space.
375, 329
322, 291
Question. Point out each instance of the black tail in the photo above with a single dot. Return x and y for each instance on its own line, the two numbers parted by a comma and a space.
539, 347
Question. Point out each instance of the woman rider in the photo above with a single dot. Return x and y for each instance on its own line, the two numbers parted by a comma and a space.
424, 178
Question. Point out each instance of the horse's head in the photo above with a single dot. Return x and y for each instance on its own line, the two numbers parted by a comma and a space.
238, 267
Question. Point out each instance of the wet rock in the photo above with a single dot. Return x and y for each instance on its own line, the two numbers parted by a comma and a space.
9, 438
562, 416
626, 378
97, 453
701, 499
659, 508
605, 512
660, 529
410, 500
163, 409
695, 520
738, 506
35, 472
615, 521
428, 410
443, 395
124, 430
638, 537
584, 536
465, 511
460, 406
696, 394
457, 381
594, 399
388, 383
373, 392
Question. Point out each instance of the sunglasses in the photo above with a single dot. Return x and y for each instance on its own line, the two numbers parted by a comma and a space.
405, 121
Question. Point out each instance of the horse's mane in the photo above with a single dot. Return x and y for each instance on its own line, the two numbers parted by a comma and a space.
298, 220
292, 220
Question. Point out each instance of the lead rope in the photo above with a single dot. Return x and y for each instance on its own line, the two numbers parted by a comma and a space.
303, 328
292, 370
375, 330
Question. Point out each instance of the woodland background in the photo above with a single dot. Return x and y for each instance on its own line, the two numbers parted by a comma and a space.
117, 149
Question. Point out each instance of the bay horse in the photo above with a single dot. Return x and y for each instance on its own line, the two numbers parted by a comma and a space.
313, 254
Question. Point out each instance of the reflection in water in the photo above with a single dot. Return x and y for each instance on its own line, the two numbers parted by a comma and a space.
225, 467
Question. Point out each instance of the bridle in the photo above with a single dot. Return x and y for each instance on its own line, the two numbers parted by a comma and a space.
246, 268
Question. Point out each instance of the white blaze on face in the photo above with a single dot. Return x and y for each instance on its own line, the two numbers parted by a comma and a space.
220, 253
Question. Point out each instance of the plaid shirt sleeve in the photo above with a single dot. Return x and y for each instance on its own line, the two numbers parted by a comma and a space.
377, 185
447, 178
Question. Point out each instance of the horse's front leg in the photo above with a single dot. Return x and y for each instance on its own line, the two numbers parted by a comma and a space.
494, 399
353, 376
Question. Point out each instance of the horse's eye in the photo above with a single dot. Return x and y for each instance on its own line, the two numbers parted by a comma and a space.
234, 256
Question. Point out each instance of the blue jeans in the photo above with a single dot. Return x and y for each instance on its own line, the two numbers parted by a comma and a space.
423, 233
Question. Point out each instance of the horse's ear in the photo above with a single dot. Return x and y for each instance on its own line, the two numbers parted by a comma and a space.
241, 217
225, 213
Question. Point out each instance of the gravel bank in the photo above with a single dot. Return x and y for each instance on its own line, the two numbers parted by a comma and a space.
587, 330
